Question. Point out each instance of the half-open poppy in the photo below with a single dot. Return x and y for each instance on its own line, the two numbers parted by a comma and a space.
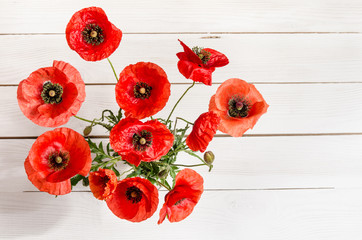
91, 35
239, 105
135, 199
198, 63
55, 157
142, 90
51, 95
203, 131
181, 200
102, 183
136, 141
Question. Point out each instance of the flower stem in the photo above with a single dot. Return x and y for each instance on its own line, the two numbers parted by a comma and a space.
83, 119
195, 165
115, 74
163, 185
173, 109
185, 121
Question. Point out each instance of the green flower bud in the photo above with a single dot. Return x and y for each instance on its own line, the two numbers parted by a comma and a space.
87, 130
209, 157
163, 173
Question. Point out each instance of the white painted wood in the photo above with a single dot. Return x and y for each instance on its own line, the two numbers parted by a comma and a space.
294, 108
189, 16
255, 57
242, 163
274, 215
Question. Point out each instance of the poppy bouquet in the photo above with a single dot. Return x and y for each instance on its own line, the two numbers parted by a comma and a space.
61, 158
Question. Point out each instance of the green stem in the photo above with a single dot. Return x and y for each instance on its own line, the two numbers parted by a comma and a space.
163, 185
126, 172
177, 118
185, 120
195, 165
115, 74
83, 119
173, 109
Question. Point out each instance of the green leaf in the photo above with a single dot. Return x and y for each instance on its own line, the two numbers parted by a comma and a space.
116, 171
85, 182
75, 180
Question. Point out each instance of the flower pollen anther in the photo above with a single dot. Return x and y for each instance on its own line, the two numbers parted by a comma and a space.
134, 194
239, 107
52, 93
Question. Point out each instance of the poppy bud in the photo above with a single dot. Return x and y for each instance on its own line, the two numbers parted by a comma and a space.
209, 157
163, 173
87, 130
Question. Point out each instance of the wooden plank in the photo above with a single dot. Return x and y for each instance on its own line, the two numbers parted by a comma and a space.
243, 163
189, 16
275, 215
254, 57
294, 109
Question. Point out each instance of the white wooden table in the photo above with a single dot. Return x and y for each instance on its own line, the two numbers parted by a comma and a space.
297, 175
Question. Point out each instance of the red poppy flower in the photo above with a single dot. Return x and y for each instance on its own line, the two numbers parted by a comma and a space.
55, 157
136, 141
135, 199
102, 183
181, 200
91, 35
239, 105
51, 95
203, 131
198, 64
142, 90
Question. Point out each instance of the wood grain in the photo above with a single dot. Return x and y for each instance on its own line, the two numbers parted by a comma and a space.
307, 108
241, 163
274, 215
189, 16
257, 58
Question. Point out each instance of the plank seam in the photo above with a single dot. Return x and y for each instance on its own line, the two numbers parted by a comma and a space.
221, 135
165, 33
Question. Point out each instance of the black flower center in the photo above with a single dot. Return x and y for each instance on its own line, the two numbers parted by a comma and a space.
142, 141
58, 160
134, 194
142, 90
93, 34
52, 93
202, 54
104, 181
239, 107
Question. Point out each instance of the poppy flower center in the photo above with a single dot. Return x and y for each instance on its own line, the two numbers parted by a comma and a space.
202, 54
58, 160
93, 34
142, 90
52, 93
142, 141
104, 180
134, 194
239, 107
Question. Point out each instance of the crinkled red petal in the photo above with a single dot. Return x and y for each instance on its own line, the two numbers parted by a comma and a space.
203, 131
181, 200
102, 183
51, 115
236, 127
217, 59
126, 209
153, 76
89, 52
121, 140
55, 141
